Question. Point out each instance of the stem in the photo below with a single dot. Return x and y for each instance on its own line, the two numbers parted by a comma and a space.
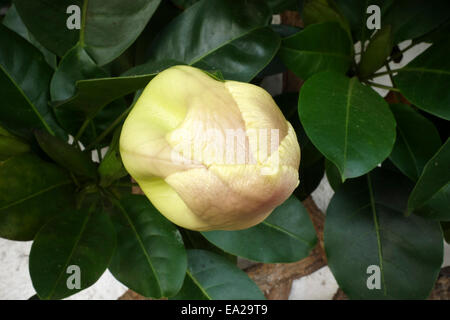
81, 130
382, 73
402, 51
396, 94
124, 184
109, 129
377, 85
99, 154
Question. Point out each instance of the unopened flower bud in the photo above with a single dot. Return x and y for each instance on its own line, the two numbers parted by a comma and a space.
210, 154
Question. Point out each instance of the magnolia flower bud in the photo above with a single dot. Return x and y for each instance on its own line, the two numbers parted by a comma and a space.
210, 154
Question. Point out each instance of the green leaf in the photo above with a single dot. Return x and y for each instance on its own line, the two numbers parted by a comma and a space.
288, 103
24, 81
150, 257
356, 13
426, 79
26, 184
310, 177
75, 65
441, 33
319, 11
287, 235
311, 166
376, 53
413, 18
78, 65
348, 122
46, 20
107, 28
82, 239
111, 168
232, 37
446, 229
66, 155
13, 21
317, 48
277, 6
195, 240
333, 175
417, 141
365, 226
11, 145
184, 3
94, 94
212, 277
431, 195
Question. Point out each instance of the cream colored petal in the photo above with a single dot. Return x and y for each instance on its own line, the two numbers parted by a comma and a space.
168, 202
260, 113
230, 197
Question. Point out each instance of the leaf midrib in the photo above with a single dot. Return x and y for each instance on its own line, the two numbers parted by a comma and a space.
424, 70
198, 285
347, 116
225, 44
83, 22
377, 231
408, 147
75, 245
282, 230
33, 107
339, 55
141, 244
35, 194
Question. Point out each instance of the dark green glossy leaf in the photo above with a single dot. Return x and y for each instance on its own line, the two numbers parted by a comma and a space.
446, 229
413, 18
431, 195
426, 79
310, 178
78, 65
46, 20
232, 37
107, 28
319, 11
317, 48
150, 257
82, 239
212, 277
94, 94
333, 175
66, 155
24, 81
441, 33
184, 3
13, 21
376, 53
26, 183
278, 6
311, 166
339, 114
287, 235
356, 13
11, 145
288, 103
366, 226
111, 168
417, 141
195, 240
75, 65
